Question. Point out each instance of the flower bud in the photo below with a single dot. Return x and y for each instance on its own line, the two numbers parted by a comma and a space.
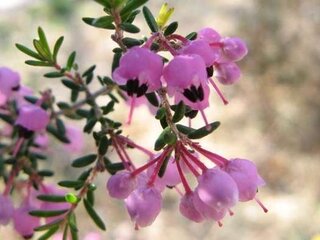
121, 184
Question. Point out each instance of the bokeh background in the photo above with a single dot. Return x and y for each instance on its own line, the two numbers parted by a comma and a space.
273, 117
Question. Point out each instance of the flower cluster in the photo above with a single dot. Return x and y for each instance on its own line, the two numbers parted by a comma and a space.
173, 75
218, 189
188, 74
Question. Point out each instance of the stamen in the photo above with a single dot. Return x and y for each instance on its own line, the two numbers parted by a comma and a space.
189, 165
194, 159
231, 213
220, 224
208, 126
134, 145
183, 178
132, 106
261, 205
224, 100
215, 158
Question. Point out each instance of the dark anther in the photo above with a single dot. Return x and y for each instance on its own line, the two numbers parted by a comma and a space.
200, 93
25, 133
132, 87
191, 95
210, 71
16, 88
142, 90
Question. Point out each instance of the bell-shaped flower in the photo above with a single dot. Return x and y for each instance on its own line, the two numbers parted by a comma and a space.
217, 189
202, 48
23, 222
245, 174
206, 211
188, 209
233, 49
6, 209
143, 205
140, 70
9, 82
209, 35
33, 118
121, 184
227, 73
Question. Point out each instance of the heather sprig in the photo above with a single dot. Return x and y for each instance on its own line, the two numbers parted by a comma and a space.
174, 88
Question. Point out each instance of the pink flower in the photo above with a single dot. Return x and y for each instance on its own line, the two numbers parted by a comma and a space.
210, 35
23, 222
206, 211
187, 208
140, 70
32, 118
121, 184
9, 82
75, 136
202, 48
42, 141
6, 209
144, 205
227, 73
21, 94
234, 49
245, 174
217, 189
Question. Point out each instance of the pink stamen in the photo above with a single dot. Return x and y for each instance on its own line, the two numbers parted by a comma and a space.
220, 224
189, 165
157, 168
149, 42
144, 167
170, 48
126, 164
208, 126
215, 158
133, 144
224, 100
178, 191
261, 205
127, 156
194, 159
182, 177
132, 106
17, 147
179, 37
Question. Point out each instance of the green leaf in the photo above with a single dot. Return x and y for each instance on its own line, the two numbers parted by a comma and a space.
41, 213
130, 17
116, 60
6, 118
70, 61
184, 129
192, 36
54, 75
52, 198
130, 6
43, 40
73, 226
112, 168
49, 233
70, 84
150, 19
90, 197
90, 125
105, 22
45, 173
105, 3
29, 52
60, 126
171, 28
108, 108
92, 213
38, 63
103, 145
56, 48
164, 138
202, 132
164, 166
153, 99
89, 71
130, 28
52, 130
49, 225
161, 113
71, 184
179, 112
131, 42
84, 161
42, 51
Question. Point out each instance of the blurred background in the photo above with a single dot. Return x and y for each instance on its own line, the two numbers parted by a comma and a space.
273, 117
